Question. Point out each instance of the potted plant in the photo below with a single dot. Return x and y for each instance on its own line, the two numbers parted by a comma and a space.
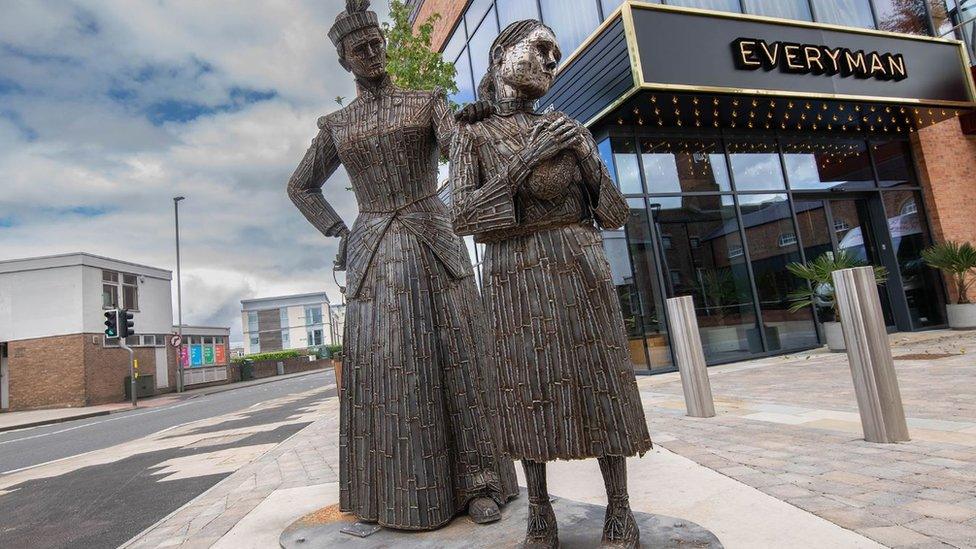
957, 261
820, 291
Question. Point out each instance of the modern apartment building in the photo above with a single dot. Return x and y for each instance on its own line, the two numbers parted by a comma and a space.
748, 134
288, 322
53, 351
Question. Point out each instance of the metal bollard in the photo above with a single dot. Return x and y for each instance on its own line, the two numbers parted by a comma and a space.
687, 346
869, 354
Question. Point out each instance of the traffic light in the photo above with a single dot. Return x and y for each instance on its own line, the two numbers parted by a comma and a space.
126, 324
112, 323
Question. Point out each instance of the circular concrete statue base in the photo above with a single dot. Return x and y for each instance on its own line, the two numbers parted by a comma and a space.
580, 526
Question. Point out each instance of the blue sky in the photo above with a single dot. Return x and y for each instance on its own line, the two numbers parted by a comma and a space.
109, 108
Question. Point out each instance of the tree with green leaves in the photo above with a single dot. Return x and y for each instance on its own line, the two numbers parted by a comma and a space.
411, 62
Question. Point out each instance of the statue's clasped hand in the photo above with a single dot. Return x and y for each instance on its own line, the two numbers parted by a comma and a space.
550, 136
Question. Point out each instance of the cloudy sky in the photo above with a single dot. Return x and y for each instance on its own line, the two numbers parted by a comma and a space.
109, 108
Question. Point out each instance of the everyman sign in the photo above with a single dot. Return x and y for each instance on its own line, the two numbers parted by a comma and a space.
752, 54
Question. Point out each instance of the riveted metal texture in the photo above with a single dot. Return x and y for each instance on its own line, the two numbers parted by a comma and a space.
532, 187
416, 441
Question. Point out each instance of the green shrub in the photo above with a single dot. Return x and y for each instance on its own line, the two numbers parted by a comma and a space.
275, 355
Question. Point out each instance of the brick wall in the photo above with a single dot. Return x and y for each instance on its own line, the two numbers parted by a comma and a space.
450, 12
947, 166
74, 370
47, 372
107, 368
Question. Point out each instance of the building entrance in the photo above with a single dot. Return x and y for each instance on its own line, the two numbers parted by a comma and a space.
719, 216
846, 225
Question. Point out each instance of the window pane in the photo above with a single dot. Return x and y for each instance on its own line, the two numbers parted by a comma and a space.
715, 273
130, 297
626, 165
640, 293
821, 165
475, 13
719, 5
852, 13
129, 279
283, 316
252, 321
110, 296
786, 9
772, 243
465, 92
110, 276
453, 47
480, 45
694, 165
906, 16
894, 162
909, 232
755, 165
571, 26
510, 11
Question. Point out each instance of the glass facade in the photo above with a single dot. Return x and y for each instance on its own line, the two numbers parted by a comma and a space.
718, 217
574, 20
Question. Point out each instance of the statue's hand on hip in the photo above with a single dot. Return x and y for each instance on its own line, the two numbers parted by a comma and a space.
340, 259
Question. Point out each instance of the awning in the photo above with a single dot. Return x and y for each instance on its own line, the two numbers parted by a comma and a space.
675, 67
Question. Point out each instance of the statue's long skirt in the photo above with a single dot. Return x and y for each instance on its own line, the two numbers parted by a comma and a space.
416, 442
566, 384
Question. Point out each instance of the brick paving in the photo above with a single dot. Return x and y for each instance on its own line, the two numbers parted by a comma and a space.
788, 426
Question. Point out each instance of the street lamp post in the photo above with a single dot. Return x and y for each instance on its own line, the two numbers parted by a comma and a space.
179, 298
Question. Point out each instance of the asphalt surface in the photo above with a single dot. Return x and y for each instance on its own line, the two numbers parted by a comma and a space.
33, 446
105, 505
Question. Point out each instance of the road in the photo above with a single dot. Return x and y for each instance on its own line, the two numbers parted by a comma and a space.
97, 482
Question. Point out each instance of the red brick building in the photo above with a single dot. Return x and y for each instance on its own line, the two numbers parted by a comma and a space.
52, 344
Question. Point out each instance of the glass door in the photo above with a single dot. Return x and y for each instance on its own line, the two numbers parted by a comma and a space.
834, 225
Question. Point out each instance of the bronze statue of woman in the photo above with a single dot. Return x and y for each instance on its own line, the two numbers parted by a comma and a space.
416, 444
533, 188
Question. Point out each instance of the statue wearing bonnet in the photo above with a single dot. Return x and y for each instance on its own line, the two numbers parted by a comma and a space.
416, 442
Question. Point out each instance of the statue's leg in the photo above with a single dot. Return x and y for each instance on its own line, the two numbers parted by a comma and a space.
542, 532
619, 527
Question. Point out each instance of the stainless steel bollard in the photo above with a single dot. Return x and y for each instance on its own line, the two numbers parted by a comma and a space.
869, 353
687, 346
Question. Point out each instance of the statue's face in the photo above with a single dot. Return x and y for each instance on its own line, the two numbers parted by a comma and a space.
530, 65
364, 53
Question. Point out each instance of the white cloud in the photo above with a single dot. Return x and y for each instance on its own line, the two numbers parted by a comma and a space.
81, 156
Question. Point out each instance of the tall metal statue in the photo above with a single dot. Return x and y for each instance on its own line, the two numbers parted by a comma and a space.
416, 444
532, 187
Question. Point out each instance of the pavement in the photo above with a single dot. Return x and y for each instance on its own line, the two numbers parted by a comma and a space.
10, 421
783, 464
97, 482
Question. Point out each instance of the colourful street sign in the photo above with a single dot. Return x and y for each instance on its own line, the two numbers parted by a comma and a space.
184, 356
208, 354
221, 354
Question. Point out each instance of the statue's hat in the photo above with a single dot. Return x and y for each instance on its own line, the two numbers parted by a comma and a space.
355, 17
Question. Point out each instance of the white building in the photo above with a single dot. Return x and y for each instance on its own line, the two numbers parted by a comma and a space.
52, 342
287, 322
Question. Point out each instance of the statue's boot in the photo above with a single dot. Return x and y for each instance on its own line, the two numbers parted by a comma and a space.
483, 510
620, 529
541, 532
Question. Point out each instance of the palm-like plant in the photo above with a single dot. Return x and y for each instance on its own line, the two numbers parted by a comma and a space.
819, 273
956, 260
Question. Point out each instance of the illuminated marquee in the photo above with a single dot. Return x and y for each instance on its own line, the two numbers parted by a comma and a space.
753, 54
